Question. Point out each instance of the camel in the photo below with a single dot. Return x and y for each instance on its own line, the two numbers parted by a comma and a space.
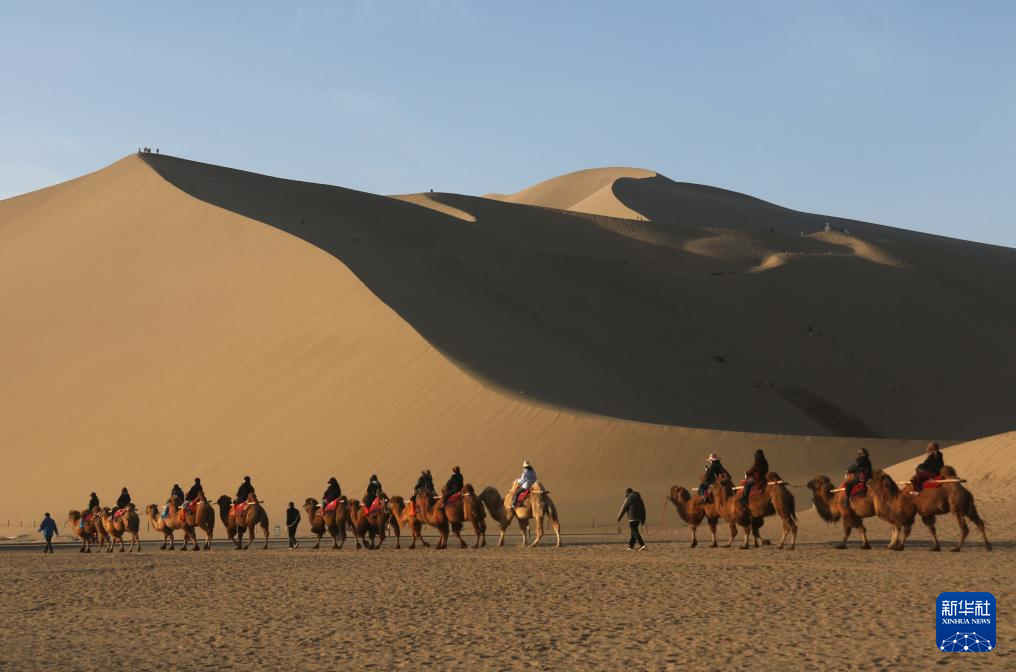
731, 510
776, 499
832, 508
201, 516
124, 523
85, 533
373, 525
900, 507
467, 507
693, 510
158, 523
102, 537
334, 522
403, 517
253, 517
537, 506
430, 511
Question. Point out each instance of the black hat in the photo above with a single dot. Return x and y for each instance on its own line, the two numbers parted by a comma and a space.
373, 477
332, 480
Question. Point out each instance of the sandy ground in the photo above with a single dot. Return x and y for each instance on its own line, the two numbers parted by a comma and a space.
589, 604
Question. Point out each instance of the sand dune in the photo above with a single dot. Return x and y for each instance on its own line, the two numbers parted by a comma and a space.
432, 201
165, 319
588, 191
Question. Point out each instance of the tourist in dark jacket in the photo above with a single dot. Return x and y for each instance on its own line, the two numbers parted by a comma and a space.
859, 471
123, 501
373, 490
714, 469
292, 521
194, 491
930, 468
455, 483
93, 504
332, 492
48, 529
176, 497
755, 475
636, 510
245, 490
424, 484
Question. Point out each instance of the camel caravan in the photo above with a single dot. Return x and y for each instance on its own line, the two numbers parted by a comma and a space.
935, 490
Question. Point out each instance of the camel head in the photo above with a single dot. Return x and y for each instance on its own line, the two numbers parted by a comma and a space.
948, 472
820, 484
224, 502
678, 494
310, 506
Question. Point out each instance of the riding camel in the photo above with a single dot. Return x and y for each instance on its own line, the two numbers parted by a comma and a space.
127, 522
201, 515
404, 516
252, 517
333, 522
536, 506
429, 511
775, 499
158, 523
373, 524
832, 507
693, 510
467, 507
734, 512
102, 537
899, 507
85, 533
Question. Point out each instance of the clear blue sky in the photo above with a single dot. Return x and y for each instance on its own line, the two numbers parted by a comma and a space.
894, 112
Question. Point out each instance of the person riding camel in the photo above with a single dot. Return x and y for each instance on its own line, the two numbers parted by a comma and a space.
454, 485
526, 481
425, 483
714, 469
122, 502
244, 491
175, 496
93, 504
332, 492
929, 469
373, 490
755, 475
193, 492
859, 471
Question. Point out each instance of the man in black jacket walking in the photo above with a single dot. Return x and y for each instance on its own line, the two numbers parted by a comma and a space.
292, 521
636, 510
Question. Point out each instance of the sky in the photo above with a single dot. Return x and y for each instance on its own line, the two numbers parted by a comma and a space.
900, 113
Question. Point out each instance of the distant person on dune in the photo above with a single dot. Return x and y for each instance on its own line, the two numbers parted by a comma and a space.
245, 490
454, 485
48, 529
929, 469
332, 492
859, 471
292, 521
714, 469
755, 475
636, 510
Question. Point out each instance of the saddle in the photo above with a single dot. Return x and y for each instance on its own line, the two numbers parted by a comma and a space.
332, 506
933, 482
240, 509
411, 507
374, 507
857, 489
453, 498
521, 496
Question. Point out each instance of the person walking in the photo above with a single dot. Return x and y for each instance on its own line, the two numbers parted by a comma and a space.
636, 510
292, 521
48, 529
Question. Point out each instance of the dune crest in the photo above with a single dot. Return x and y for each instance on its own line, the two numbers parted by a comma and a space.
429, 200
588, 191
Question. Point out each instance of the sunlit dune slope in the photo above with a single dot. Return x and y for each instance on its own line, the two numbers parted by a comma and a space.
589, 191
151, 337
666, 322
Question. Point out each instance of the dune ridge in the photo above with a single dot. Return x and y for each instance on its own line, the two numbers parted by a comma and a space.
587, 191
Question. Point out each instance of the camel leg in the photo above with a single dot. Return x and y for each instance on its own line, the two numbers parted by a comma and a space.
929, 522
976, 519
733, 533
747, 536
500, 539
457, 531
556, 526
524, 527
208, 538
539, 530
964, 531
264, 529
694, 537
712, 532
864, 537
786, 531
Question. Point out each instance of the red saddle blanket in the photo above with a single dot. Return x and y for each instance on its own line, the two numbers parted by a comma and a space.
858, 488
119, 513
453, 498
240, 509
521, 496
331, 506
374, 507
933, 482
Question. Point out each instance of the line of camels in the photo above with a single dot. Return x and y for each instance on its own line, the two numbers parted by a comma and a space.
883, 498
367, 527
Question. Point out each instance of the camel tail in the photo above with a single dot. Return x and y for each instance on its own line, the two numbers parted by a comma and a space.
975, 517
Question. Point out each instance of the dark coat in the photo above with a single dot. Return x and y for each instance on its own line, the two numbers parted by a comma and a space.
292, 517
244, 491
332, 493
861, 467
124, 500
713, 471
193, 492
933, 463
759, 470
424, 484
93, 503
373, 490
634, 507
454, 484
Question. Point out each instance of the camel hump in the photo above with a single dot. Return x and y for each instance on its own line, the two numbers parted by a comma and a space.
949, 472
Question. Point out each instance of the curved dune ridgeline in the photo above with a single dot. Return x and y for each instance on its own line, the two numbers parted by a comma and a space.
165, 319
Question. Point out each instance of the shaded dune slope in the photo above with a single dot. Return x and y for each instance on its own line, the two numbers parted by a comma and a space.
618, 317
151, 337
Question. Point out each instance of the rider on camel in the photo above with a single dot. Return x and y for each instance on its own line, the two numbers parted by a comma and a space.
123, 501
755, 476
373, 490
929, 469
244, 491
526, 481
859, 471
93, 504
714, 469
332, 493
424, 484
176, 497
193, 492
454, 484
